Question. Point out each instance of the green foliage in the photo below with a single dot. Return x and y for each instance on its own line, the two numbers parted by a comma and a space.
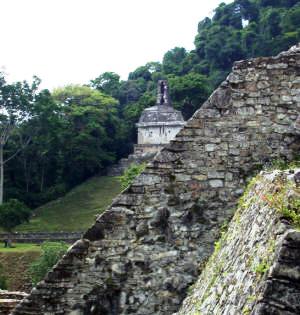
21, 248
77, 131
188, 92
273, 26
262, 267
288, 206
3, 281
292, 211
246, 310
238, 30
145, 72
13, 213
76, 95
224, 227
108, 83
130, 174
223, 235
133, 111
280, 164
245, 200
218, 245
90, 126
51, 253
249, 306
17, 102
77, 134
285, 198
173, 59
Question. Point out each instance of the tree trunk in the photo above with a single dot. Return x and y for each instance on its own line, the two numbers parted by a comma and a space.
1, 174
27, 173
42, 178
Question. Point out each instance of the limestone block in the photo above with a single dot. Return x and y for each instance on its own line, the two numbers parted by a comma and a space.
210, 147
216, 183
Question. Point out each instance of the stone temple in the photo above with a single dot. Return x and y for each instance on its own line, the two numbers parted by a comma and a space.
144, 252
159, 124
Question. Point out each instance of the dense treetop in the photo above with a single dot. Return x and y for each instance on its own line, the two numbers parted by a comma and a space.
77, 131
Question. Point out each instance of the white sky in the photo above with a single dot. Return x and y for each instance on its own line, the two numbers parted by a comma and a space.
74, 41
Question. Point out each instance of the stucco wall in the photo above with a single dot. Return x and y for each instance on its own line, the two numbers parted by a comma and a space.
162, 134
144, 252
40, 237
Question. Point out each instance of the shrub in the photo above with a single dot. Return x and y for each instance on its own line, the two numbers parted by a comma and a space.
285, 203
51, 253
130, 174
12, 213
262, 267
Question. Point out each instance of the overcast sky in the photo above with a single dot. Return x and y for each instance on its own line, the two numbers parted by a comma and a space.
74, 41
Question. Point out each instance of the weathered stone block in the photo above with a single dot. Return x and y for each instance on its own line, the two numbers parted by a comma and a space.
216, 183
210, 147
199, 177
136, 259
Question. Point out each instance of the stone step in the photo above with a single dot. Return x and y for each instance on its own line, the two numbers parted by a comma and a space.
9, 300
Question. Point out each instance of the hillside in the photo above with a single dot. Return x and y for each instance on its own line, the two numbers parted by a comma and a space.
73, 212
77, 209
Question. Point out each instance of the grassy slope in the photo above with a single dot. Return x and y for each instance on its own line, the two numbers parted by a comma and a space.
76, 210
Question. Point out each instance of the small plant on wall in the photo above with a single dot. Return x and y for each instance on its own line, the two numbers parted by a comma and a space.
51, 253
130, 174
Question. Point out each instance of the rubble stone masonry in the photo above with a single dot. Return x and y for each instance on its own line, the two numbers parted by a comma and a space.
255, 268
144, 252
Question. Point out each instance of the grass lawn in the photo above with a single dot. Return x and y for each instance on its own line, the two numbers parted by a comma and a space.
75, 211
21, 248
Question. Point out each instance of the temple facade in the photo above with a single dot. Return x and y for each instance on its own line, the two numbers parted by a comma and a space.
158, 124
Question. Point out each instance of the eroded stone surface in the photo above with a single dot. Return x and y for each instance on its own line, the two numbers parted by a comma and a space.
255, 268
145, 250
9, 300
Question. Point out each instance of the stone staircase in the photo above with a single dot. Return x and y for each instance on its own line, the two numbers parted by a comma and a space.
9, 300
119, 168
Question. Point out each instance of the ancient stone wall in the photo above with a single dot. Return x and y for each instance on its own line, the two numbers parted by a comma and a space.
40, 237
255, 268
145, 250
139, 156
9, 300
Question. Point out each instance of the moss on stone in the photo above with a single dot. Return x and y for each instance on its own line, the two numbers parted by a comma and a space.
280, 190
285, 199
282, 164
245, 200
262, 267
